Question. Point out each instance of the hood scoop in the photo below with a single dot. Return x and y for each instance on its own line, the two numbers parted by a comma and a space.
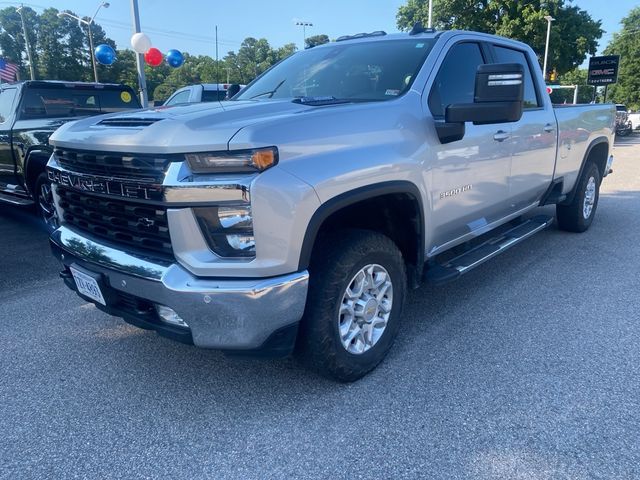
128, 122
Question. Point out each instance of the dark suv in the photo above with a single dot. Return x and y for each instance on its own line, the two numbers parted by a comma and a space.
30, 112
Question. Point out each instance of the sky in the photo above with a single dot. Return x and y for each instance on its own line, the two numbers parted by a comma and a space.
189, 25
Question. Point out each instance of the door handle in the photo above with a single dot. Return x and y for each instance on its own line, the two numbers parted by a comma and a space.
501, 136
549, 128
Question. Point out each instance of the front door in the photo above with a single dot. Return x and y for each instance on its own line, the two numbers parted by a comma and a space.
468, 179
7, 165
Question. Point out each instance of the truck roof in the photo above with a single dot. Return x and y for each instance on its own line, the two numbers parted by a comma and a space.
61, 83
380, 36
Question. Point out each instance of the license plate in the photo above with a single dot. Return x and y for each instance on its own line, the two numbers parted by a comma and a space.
87, 286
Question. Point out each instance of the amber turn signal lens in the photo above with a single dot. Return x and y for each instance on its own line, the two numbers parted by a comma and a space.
264, 159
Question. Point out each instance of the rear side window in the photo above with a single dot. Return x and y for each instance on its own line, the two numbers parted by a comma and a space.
214, 95
182, 97
456, 79
6, 103
509, 55
63, 101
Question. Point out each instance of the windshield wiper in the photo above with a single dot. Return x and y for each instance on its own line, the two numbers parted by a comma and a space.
270, 92
328, 100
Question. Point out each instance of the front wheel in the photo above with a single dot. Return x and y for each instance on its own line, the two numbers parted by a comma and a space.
578, 215
44, 202
356, 294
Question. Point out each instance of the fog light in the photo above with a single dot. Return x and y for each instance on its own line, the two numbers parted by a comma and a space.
167, 315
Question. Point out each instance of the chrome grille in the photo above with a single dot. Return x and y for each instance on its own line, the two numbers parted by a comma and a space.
141, 167
139, 225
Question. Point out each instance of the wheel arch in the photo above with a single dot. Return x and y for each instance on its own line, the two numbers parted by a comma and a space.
34, 164
341, 208
598, 152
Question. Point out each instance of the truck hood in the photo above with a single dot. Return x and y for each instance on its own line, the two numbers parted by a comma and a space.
177, 129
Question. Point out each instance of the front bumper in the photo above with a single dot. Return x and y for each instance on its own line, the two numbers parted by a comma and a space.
226, 314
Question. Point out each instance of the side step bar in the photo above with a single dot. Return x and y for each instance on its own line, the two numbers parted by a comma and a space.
15, 200
457, 266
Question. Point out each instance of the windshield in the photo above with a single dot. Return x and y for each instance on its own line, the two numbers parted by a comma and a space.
362, 71
56, 102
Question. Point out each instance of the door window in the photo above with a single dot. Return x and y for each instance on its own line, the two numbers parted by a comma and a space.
509, 55
456, 79
182, 97
6, 103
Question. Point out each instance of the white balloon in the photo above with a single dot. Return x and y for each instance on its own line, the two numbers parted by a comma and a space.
140, 42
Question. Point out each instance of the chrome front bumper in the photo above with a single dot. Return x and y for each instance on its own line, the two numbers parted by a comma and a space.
227, 314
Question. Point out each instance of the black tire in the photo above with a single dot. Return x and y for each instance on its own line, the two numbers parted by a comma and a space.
572, 217
44, 202
335, 261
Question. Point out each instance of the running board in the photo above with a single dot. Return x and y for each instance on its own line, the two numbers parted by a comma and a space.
15, 200
457, 266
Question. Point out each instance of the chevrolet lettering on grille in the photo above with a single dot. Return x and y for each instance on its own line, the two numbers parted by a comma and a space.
106, 186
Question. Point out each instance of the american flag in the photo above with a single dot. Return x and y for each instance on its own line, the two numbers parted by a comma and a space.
8, 70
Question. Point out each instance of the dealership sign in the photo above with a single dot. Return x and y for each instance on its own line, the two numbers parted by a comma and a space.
603, 70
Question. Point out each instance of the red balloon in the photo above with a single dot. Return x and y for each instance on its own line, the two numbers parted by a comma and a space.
153, 57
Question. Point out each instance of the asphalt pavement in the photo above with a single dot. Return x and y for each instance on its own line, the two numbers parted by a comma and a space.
526, 368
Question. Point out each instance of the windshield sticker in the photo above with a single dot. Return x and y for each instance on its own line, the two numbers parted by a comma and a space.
125, 97
392, 92
419, 45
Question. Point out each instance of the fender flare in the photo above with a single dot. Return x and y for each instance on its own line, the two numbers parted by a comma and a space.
595, 142
351, 197
37, 154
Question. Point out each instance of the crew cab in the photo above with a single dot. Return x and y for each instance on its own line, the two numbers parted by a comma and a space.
296, 216
30, 112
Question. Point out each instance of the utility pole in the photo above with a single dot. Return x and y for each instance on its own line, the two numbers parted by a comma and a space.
549, 19
26, 43
142, 81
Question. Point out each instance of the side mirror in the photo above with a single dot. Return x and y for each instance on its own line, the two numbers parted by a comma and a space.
233, 89
498, 98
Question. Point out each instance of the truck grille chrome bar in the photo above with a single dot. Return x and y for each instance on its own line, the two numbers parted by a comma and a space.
141, 167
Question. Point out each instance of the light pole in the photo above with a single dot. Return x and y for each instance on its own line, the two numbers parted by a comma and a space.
304, 26
88, 24
430, 12
26, 42
549, 19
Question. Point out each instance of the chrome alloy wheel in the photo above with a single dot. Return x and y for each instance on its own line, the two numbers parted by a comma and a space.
589, 198
365, 309
47, 208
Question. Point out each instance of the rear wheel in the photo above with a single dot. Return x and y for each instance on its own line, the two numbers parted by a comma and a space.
44, 202
356, 294
578, 215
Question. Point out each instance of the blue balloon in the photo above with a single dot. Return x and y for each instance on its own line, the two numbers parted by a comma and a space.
105, 54
175, 58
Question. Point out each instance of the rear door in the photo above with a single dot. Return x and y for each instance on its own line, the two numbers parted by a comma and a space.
469, 178
534, 136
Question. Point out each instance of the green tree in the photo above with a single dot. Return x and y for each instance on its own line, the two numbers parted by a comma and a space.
60, 46
577, 76
12, 42
574, 34
316, 40
627, 44
286, 50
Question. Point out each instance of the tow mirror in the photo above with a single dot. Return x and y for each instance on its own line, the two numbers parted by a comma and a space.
498, 98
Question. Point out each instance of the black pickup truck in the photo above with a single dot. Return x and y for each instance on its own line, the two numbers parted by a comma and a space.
29, 113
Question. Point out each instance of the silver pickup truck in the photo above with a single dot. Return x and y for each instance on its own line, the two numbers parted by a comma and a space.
296, 216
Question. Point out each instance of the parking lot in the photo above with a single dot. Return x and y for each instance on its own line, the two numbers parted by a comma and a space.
528, 367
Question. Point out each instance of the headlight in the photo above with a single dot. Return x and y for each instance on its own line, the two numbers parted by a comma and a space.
228, 230
234, 161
